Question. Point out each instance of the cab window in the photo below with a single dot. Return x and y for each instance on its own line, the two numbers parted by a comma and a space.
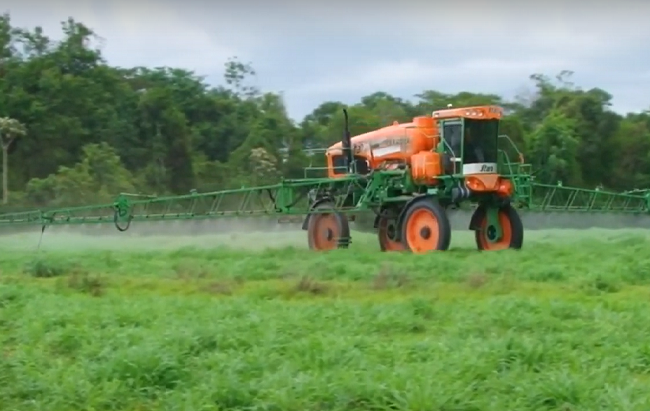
452, 133
338, 163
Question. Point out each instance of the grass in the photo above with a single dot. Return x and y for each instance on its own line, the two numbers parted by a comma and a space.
230, 323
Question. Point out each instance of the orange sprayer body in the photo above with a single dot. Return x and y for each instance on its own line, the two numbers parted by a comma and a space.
397, 142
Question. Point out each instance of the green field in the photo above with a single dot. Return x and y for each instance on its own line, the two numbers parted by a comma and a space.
256, 322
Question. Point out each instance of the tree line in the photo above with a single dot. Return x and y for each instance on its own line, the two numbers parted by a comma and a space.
92, 130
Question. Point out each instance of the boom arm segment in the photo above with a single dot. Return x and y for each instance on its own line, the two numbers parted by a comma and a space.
547, 197
291, 197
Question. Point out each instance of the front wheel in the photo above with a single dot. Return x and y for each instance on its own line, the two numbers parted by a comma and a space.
426, 227
487, 233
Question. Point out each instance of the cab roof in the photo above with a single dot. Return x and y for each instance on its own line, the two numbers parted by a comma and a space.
476, 112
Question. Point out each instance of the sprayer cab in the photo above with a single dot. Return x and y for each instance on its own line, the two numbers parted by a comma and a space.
469, 138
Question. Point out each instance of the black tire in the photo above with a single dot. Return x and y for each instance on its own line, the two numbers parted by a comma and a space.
515, 227
387, 242
339, 227
424, 207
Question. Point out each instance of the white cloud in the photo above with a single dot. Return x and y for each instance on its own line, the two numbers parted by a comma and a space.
142, 32
166, 40
388, 75
336, 51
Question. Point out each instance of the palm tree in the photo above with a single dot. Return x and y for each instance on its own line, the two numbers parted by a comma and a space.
10, 130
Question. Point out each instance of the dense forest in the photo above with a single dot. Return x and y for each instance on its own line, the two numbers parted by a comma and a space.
86, 130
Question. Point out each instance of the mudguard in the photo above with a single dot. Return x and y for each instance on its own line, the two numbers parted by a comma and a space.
477, 216
402, 213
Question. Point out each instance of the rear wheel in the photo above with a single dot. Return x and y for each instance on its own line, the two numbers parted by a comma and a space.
506, 229
426, 227
388, 233
328, 230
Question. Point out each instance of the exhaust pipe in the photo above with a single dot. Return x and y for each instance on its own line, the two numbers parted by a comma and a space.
346, 142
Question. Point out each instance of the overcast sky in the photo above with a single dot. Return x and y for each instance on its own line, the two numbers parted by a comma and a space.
336, 51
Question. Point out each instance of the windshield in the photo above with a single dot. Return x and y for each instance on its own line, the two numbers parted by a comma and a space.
480, 145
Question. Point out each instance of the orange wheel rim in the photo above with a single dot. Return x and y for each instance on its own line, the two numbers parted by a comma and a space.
422, 231
326, 233
506, 234
385, 237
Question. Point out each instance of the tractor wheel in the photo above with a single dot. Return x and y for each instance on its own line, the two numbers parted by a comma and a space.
387, 233
512, 229
328, 231
426, 227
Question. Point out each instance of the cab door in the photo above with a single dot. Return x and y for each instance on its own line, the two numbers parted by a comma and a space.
452, 136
